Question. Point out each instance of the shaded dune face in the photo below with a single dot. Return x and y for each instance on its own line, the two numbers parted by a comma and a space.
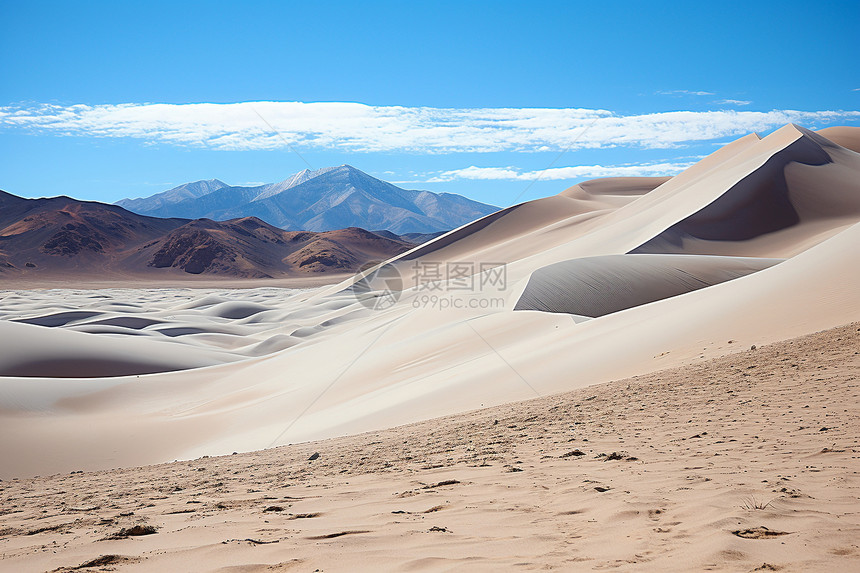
87, 367
758, 204
597, 286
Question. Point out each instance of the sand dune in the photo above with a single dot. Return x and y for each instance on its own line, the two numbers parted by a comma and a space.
149, 331
806, 189
245, 370
742, 463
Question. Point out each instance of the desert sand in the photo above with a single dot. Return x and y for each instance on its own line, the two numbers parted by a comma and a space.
625, 277
176, 374
747, 462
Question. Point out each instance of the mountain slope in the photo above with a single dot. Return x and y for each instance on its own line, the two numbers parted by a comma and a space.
326, 199
251, 248
64, 234
187, 191
63, 237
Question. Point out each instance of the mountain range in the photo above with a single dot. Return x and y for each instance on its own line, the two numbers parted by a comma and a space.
320, 200
61, 237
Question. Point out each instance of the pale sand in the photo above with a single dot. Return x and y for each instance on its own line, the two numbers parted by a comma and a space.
499, 489
222, 371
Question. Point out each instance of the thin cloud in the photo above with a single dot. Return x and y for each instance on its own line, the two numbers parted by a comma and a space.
734, 102
560, 173
355, 127
684, 92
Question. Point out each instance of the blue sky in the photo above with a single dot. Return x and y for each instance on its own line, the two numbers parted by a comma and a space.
498, 101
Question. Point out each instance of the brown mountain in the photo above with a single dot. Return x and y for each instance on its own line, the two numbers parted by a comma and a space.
58, 236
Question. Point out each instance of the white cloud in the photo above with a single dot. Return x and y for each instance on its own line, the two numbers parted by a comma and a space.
357, 127
561, 173
684, 92
734, 102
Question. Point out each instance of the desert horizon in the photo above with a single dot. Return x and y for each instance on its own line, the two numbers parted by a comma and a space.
381, 286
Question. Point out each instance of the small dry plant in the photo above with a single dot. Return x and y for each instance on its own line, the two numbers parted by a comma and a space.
752, 503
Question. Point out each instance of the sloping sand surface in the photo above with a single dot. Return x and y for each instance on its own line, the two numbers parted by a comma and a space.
743, 463
281, 366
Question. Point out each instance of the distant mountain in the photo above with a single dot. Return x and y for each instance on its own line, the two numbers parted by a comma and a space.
171, 197
63, 237
321, 200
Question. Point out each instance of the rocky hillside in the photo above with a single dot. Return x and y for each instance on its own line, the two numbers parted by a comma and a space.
62, 236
